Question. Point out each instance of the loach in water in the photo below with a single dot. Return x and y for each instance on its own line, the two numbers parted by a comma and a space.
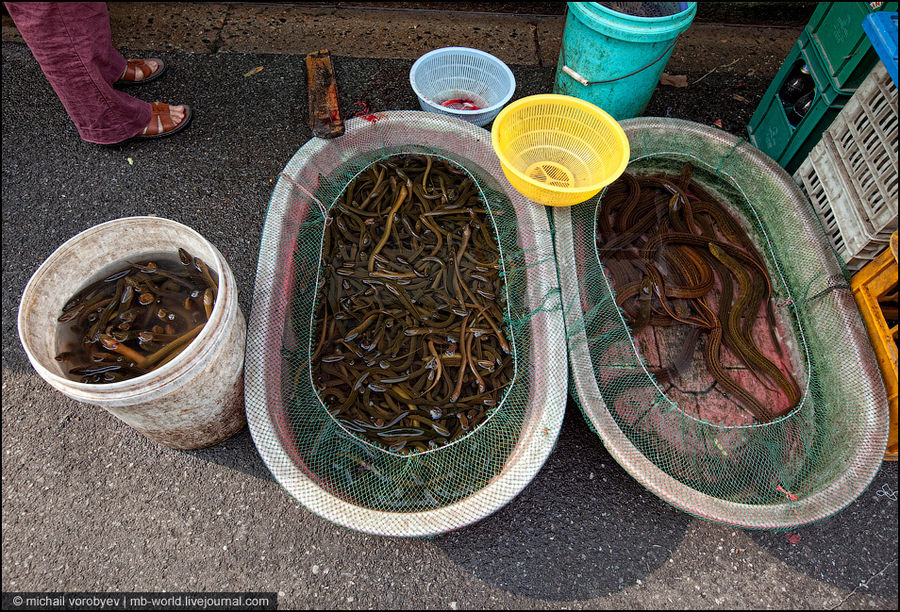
409, 350
665, 241
136, 319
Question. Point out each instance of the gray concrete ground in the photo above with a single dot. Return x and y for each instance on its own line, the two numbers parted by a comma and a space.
88, 504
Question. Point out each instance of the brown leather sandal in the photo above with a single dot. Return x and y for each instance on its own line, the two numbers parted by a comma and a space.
169, 127
130, 76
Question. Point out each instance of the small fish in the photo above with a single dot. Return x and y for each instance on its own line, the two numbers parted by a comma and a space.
419, 308
135, 334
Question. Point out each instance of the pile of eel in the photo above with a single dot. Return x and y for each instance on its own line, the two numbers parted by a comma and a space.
410, 351
670, 248
136, 319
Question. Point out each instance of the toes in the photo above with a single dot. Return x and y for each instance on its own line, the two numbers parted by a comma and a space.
144, 70
177, 113
152, 67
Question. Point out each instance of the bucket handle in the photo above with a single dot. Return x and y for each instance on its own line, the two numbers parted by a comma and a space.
584, 81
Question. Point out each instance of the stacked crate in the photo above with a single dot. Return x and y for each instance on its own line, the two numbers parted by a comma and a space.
851, 175
851, 179
839, 56
875, 290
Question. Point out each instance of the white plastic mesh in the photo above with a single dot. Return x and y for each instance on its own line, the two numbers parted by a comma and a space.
456, 73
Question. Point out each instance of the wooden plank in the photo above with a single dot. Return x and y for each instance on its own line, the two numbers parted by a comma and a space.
324, 114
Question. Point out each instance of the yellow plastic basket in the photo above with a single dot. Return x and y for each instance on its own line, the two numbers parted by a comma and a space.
559, 150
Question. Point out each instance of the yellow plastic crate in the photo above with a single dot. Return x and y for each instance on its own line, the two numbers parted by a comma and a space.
875, 290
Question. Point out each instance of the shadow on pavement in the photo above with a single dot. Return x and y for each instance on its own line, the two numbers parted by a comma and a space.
857, 536
581, 530
237, 453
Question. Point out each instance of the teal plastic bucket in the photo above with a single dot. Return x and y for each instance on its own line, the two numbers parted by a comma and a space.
614, 59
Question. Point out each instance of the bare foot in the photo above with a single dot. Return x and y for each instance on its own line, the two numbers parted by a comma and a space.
165, 119
140, 73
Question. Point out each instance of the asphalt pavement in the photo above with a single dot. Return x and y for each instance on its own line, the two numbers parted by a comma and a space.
90, 505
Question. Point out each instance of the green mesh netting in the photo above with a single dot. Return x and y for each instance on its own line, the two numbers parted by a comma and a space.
330, 470
690, 446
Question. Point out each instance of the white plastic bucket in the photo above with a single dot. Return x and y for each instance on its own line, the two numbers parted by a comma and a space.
193, 401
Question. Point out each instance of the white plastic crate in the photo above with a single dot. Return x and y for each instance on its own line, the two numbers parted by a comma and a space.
865, 140
825, 181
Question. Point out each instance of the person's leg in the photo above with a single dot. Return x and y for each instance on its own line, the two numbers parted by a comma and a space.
72, 43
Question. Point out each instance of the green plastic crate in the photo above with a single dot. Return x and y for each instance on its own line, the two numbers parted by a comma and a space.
769, 129
845, 51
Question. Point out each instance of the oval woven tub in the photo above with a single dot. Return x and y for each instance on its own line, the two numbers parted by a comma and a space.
333, 473
799, 468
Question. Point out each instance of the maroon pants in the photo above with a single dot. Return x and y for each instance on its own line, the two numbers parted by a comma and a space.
73, 45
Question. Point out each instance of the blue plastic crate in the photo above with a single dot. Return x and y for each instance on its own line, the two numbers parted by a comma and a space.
881, 29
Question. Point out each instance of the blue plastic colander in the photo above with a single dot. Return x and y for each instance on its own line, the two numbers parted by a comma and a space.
467, 76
